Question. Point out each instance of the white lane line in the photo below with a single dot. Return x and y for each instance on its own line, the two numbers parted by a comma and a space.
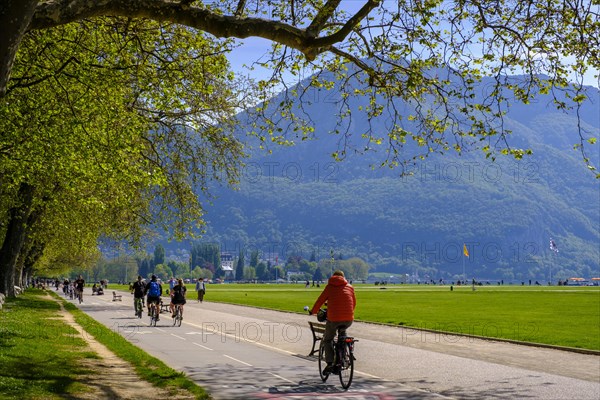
178, 337
282, 378
204, 347
240, 361
214, 331
237, 338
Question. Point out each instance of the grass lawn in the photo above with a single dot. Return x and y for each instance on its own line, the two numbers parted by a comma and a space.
563, 316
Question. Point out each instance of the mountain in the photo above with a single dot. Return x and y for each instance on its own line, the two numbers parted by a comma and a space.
297, 200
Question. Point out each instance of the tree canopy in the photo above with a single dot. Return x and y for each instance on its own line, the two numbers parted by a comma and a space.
428, 53
117, 125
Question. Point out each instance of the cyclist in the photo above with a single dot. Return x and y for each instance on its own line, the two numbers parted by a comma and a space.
79, 285
178, 296
339, 295
154, 291
139, 288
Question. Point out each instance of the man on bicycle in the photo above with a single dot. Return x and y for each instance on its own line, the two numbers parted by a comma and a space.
139, 288
79, 285
178, 297
154, 291
339, 295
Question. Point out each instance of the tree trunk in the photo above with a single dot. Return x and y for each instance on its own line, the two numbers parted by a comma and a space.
13, 241
15, 16
34, 251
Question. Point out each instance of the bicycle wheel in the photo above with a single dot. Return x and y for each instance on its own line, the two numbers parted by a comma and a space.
178, 318
153, 316
346, 365
322, 362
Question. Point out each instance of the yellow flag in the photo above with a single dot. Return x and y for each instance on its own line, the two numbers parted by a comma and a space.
465, 251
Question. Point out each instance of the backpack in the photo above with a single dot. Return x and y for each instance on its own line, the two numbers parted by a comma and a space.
139, 288
179, 292
154, 289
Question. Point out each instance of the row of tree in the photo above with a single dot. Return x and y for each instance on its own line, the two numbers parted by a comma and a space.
296, 268
101, 136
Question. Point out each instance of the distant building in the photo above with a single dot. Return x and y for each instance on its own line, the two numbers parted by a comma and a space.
227, 262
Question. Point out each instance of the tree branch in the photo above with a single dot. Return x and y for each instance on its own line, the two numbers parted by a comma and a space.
354, 21
15, 16
321, 18
240, 8
60, 12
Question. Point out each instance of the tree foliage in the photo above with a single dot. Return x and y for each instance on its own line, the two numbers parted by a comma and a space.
240, 267
428, 53
206, 256
112, 126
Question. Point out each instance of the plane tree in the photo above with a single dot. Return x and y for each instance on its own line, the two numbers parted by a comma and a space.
116, 126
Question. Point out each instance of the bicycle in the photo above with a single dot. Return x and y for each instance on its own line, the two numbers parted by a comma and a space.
343, 356
343, 360
71, 292
138, 304
153, 313
178, 317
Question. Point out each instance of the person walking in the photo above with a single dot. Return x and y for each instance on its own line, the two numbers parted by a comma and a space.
201, 289
341, 302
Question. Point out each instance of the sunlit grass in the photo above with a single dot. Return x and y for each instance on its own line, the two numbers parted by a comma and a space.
39, 353
562, 316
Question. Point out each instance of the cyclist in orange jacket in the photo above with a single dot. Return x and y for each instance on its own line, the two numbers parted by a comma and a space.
339, 295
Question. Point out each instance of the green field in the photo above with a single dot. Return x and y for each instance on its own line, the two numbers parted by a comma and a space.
562, 316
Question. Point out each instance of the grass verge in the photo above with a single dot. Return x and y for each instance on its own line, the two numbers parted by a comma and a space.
149, 368
39, 352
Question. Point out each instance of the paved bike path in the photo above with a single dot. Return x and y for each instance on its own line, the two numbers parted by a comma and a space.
243, 352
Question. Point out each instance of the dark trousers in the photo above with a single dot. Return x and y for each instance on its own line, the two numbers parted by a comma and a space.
331, 328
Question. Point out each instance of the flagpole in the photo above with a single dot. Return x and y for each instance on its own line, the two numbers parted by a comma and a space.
465, 254
464, 273
550, 268
554, 250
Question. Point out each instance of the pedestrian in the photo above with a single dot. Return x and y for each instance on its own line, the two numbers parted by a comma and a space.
172, 283
201, 289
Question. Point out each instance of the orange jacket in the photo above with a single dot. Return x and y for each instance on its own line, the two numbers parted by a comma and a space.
339, 295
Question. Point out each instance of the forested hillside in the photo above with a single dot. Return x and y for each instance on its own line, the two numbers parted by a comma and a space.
298, 200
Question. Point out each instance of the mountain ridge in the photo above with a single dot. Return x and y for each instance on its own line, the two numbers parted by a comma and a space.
297, 201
